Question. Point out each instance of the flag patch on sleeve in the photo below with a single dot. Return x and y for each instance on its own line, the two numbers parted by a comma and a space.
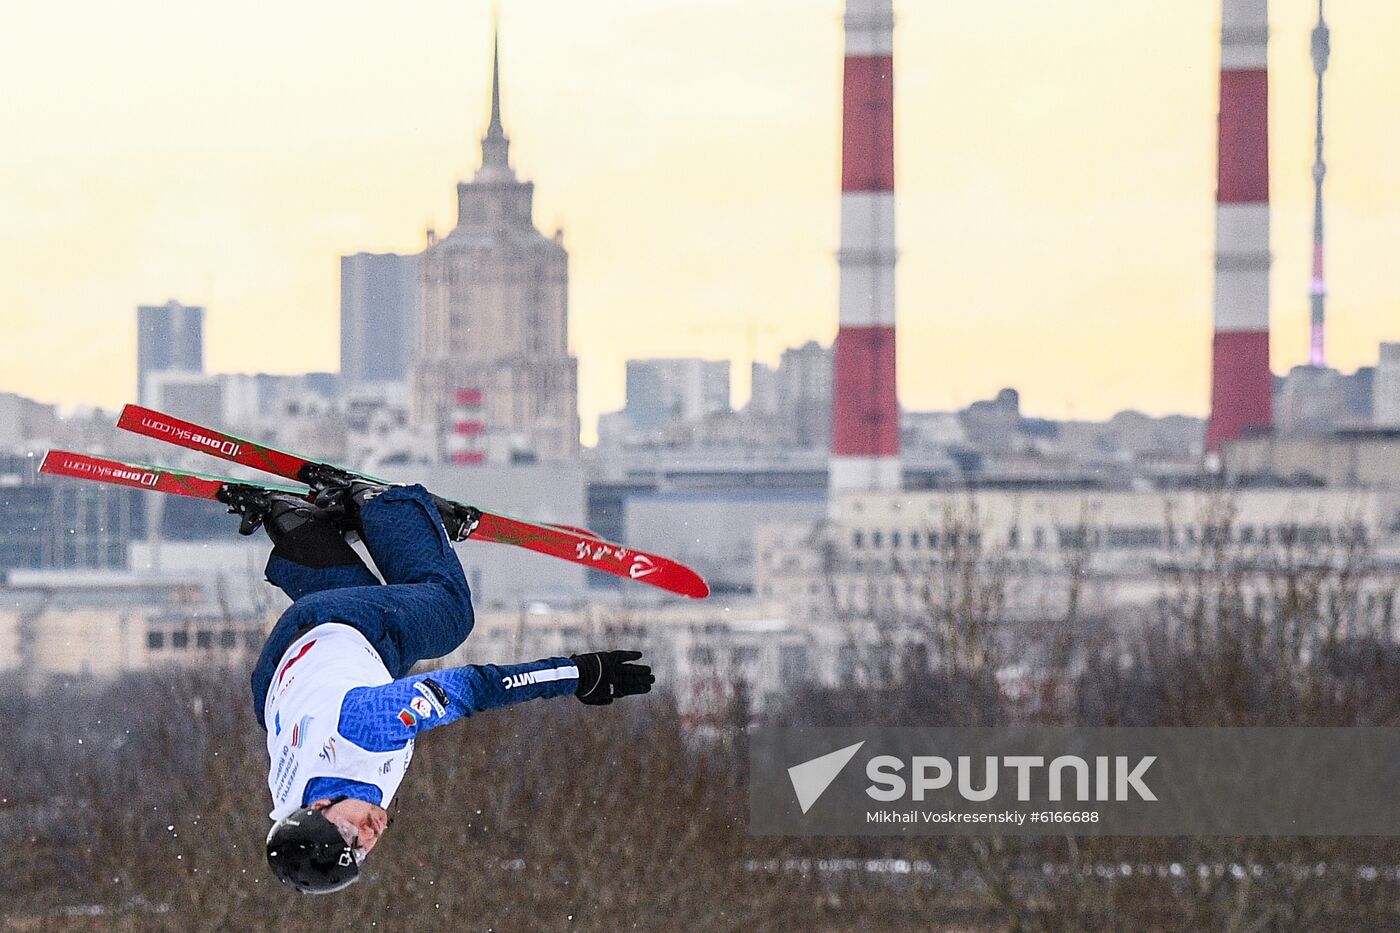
433, 694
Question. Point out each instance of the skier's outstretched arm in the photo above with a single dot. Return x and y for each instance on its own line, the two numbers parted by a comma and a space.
385, 717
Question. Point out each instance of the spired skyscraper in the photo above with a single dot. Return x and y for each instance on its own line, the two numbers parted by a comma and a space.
492, 374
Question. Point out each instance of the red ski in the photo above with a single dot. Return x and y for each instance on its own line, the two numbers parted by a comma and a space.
578, 545
144, 476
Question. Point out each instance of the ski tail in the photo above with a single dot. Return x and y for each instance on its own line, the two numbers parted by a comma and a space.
145, 476
162, 427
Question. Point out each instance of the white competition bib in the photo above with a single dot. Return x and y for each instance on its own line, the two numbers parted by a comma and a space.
303, 714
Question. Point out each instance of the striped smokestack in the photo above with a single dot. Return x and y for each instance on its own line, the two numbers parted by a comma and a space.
865, 418
1242, 386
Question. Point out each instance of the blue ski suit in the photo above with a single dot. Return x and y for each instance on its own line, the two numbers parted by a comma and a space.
423, 610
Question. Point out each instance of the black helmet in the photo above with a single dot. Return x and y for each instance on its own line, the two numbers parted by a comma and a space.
308, 853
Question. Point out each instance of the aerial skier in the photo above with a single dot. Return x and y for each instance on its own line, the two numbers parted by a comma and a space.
331, 686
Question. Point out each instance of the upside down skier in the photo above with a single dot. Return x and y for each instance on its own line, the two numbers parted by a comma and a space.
331, 685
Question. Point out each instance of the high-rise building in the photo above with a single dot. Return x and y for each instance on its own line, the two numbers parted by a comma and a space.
493, 324
169, 338
797, 394
378, 317
660, 391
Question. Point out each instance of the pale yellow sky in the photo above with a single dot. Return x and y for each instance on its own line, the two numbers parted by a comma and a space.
1055, 172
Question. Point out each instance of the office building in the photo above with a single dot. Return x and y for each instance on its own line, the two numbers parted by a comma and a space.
378, 317
169, 338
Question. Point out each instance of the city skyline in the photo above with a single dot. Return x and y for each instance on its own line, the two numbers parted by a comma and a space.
710, 190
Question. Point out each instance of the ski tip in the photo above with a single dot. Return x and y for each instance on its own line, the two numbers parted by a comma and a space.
694, 586
142, 420
130, 414
61, 462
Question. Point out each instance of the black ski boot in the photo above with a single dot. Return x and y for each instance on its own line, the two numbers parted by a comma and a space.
459, 521
301, 531
279, 512
344, 498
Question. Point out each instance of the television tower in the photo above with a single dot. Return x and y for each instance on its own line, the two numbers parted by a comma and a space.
1321, 47
1241, 382
865, 415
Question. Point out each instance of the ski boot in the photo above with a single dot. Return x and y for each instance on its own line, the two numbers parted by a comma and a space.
344, 496
279, 512
459, 521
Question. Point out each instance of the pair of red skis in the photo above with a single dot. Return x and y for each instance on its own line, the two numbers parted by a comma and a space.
578, 545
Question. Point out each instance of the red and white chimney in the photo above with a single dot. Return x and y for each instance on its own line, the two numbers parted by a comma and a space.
865, 417
1242, 384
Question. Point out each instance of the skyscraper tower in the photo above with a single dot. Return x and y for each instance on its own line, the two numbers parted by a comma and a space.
378, 317
169, 338
493, 321
1242, 385
1317, 348
865, 428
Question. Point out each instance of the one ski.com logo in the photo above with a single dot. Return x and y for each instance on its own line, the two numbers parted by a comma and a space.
227, 448
894, 779
115, 474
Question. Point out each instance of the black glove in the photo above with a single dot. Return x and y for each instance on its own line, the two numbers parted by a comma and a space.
603, 675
